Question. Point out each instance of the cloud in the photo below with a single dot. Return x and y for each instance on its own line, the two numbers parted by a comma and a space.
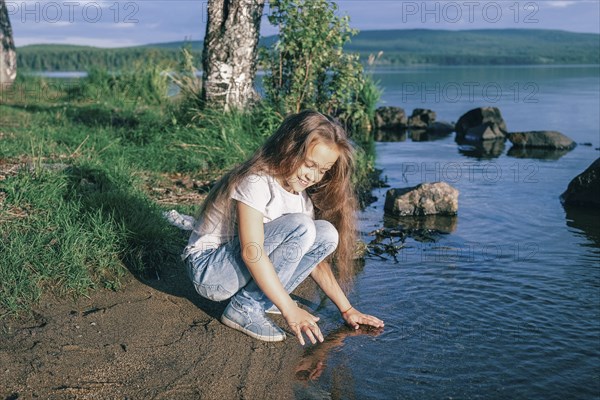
560, 3
568, 3
76, 40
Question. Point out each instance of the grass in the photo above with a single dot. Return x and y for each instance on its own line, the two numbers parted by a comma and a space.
112, 128
85, 225
76, 229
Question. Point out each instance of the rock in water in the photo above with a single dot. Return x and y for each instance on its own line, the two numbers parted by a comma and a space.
542, 139
484, 132
390, 118
484, 123
584, 189
440, 128
421, 118
423, 199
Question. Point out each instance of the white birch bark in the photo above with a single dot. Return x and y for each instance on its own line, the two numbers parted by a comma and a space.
230, 50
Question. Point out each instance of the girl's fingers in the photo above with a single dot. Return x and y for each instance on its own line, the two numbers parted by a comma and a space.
311, 330
370, 320
317, 331
315, 328
301, 339
298, 333
321, 338
365, 320
310, 335
314, 333
307, 326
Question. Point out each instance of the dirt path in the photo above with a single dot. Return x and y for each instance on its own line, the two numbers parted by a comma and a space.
151, 340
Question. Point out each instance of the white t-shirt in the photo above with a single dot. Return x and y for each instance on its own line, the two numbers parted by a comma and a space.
261, 192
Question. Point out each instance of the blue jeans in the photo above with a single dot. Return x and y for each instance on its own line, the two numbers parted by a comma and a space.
294, 243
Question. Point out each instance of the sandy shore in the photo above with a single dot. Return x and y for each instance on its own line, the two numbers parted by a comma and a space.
151, 340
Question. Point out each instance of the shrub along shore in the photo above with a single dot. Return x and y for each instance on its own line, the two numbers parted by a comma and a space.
88, 166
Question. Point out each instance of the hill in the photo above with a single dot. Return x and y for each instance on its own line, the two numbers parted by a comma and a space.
502, 46
400, 47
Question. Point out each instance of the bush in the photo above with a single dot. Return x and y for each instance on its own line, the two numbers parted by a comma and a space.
307, 67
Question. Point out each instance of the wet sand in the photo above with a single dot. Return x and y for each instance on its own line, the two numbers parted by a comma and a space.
153, 339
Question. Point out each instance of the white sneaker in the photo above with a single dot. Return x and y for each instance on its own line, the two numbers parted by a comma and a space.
252, 323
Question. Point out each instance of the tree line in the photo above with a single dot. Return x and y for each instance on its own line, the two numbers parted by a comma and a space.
60, 58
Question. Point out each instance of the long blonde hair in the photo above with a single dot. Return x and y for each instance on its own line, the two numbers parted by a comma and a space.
283, 153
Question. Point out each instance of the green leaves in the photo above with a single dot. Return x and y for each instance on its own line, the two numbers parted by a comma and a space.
307, 67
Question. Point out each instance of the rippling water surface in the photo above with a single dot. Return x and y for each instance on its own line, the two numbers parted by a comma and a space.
506, 303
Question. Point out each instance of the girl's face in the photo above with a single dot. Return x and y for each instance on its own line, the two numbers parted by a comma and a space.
319, 159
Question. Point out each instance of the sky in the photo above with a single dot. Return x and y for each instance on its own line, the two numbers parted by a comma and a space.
128, 23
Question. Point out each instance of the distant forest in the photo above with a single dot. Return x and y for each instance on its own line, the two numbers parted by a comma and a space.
399, 47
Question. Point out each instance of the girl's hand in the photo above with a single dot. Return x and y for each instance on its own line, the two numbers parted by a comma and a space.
300, 322
355, 318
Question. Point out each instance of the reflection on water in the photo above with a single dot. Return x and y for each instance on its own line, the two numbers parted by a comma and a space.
59, 74
439, 223
585, 220
314, 359
485, 149
416, 135
390, 136
423, 135
537, 153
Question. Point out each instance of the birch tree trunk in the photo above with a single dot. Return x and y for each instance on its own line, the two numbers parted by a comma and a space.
230, 50
8, 55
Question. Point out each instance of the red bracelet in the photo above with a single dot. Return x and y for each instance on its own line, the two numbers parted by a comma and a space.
344, 312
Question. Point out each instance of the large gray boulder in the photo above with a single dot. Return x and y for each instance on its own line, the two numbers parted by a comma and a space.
390, 118
584, 189
542, 139
484, 123
421, 118
423, 199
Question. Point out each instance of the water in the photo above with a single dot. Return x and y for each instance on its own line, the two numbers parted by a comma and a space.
59, 74
506, 304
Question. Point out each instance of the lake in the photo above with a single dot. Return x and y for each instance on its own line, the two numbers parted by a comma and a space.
505, 301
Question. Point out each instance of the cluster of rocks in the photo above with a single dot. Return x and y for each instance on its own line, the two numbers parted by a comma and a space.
392, 124
485, 129
482, 131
